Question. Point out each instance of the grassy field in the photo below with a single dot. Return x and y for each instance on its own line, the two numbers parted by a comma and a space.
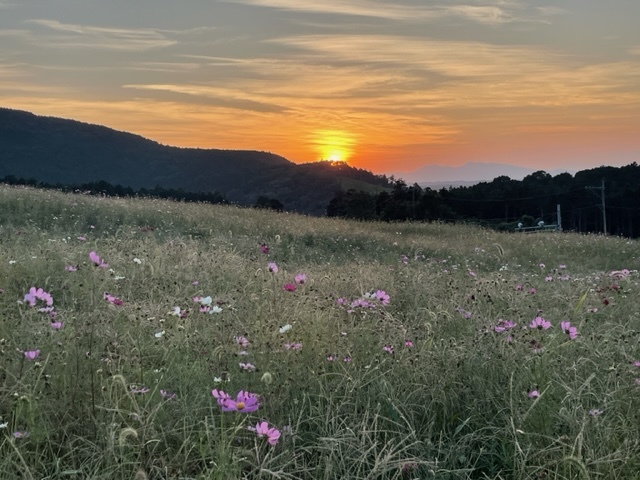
372, 350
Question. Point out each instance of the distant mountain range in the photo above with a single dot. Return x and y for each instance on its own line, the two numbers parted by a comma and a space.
438, 176
68, 152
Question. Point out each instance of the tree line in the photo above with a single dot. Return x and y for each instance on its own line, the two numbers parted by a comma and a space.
504, 203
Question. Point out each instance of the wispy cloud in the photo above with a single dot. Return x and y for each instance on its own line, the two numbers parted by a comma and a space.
228, 97
86, 36
488, 12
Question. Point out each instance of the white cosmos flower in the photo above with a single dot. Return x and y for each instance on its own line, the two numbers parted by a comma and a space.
215, 309
137, 260
159, 334
285, 328
206, 301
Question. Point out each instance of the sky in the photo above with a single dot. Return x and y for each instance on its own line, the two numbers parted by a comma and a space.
386, 86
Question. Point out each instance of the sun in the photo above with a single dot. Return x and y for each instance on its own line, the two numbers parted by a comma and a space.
333, 145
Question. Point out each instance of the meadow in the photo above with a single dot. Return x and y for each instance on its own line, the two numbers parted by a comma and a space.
148, 339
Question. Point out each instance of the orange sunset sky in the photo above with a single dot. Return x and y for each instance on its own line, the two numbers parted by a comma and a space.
387, 86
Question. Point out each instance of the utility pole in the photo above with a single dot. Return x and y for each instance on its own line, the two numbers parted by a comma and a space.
602, 207
559, 222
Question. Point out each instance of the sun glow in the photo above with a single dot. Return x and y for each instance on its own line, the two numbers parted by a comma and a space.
333, 145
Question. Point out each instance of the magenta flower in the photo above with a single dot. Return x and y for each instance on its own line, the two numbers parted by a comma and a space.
71, 268
504, 325
242, 341
569, 330
272, 434
388, 349
36, 294
56, 325
245, 402
519, 288
382, 297
167, 395
540, 323
300, 278
112, 299
636, 363
31, 354
97, 261
289, 287
273, 268
141, 390
533, 394
408, 343
264, 248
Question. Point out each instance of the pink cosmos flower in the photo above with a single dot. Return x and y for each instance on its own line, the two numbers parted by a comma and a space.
245, 402
532, 291
404, 259
38, 294
636, 363
540, 323
220, 396
167, 395
247, 366
112, 299
242, 341
504, 325
31, 354
82, 238
272, 434
141, 390
347, 359
71, 268
264, 248
273, 268
20, 434
569, 330
292, 346
408, 343
519, 288
56, 325
97, 261
533, 394
195, 283
382, 297
388, 349
289, 287
300, 278
548, 278
330, 358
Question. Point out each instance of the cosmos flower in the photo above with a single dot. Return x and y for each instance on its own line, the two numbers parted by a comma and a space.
300, 278
71, 268
533, 394
31, 354
388, 349
262, 430
113, 300
273, 268
242, 341
97, 261
569, 330
244, 402
38, 294
540, 323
